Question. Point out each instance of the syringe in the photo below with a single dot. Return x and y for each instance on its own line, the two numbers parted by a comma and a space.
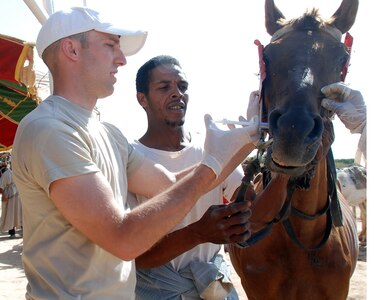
262, 125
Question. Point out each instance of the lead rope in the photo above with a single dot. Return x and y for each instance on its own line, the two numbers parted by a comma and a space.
335, 210
254, 166
251, 169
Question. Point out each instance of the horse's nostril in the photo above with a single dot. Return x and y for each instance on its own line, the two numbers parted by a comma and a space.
273, 120
296, 123
296, 134
318, 128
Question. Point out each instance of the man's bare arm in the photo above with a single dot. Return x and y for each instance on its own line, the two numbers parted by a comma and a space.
87, 202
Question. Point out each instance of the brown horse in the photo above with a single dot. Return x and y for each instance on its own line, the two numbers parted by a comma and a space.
311, 252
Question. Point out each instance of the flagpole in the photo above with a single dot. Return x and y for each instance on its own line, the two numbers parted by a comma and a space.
38, 12
49, 6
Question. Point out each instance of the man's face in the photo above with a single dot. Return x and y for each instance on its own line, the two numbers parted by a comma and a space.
100, 61
167, 98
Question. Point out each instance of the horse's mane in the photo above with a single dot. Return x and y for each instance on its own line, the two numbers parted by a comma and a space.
310, 20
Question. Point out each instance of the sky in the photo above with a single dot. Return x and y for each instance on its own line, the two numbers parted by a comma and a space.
213, 40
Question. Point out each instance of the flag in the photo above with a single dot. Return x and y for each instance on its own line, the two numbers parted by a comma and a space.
18, 94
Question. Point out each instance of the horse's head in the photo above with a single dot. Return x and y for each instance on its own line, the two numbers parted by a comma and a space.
304, 55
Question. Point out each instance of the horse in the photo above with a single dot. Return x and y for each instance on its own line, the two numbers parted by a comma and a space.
311, 250
352, 182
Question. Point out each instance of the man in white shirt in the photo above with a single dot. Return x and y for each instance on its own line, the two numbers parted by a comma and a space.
188, 263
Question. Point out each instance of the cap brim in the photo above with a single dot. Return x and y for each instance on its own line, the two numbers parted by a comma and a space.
130, 44
130, 41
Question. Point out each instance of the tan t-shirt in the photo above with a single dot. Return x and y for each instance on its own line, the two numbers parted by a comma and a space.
57, 140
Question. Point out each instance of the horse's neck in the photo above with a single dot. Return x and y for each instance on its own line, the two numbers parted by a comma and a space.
315, 198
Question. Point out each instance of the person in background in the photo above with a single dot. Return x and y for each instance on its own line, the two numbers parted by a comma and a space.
349, 106
73, 172
189, 262
11, 208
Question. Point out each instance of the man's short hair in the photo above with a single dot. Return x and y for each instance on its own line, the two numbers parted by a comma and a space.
142, 80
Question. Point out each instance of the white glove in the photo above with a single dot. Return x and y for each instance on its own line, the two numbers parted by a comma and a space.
252, 111
348, 104
221, 145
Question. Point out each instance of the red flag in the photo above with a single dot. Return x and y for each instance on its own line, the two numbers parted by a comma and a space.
17, 87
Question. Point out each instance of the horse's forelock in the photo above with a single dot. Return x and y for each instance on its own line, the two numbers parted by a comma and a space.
310, 20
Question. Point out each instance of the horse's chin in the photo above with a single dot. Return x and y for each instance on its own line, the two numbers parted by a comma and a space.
273, 166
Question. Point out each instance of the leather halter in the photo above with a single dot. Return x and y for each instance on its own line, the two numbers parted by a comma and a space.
332, 209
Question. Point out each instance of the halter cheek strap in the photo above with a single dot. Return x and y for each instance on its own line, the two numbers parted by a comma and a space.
262, 77
348, 42
262, 65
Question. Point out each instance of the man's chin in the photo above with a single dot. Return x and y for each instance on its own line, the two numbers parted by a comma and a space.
179, 123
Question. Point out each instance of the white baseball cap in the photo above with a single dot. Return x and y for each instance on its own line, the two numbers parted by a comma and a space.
76, 20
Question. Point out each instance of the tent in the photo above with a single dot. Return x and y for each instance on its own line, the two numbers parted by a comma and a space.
18, 94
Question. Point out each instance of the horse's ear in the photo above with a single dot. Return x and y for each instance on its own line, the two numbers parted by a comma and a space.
273, 14
344, 17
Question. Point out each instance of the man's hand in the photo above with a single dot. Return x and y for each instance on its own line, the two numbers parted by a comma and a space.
348, 104
223, 224
220, 145
252, 111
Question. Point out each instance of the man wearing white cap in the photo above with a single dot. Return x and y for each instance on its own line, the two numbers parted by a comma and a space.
73, 172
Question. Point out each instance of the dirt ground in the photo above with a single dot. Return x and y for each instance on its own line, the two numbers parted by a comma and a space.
13, 280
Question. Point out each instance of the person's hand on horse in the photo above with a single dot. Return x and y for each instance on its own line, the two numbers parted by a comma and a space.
347, 103
223, 224
221, 145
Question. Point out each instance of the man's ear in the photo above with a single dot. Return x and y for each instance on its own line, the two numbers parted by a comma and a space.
141, 97
70, 48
